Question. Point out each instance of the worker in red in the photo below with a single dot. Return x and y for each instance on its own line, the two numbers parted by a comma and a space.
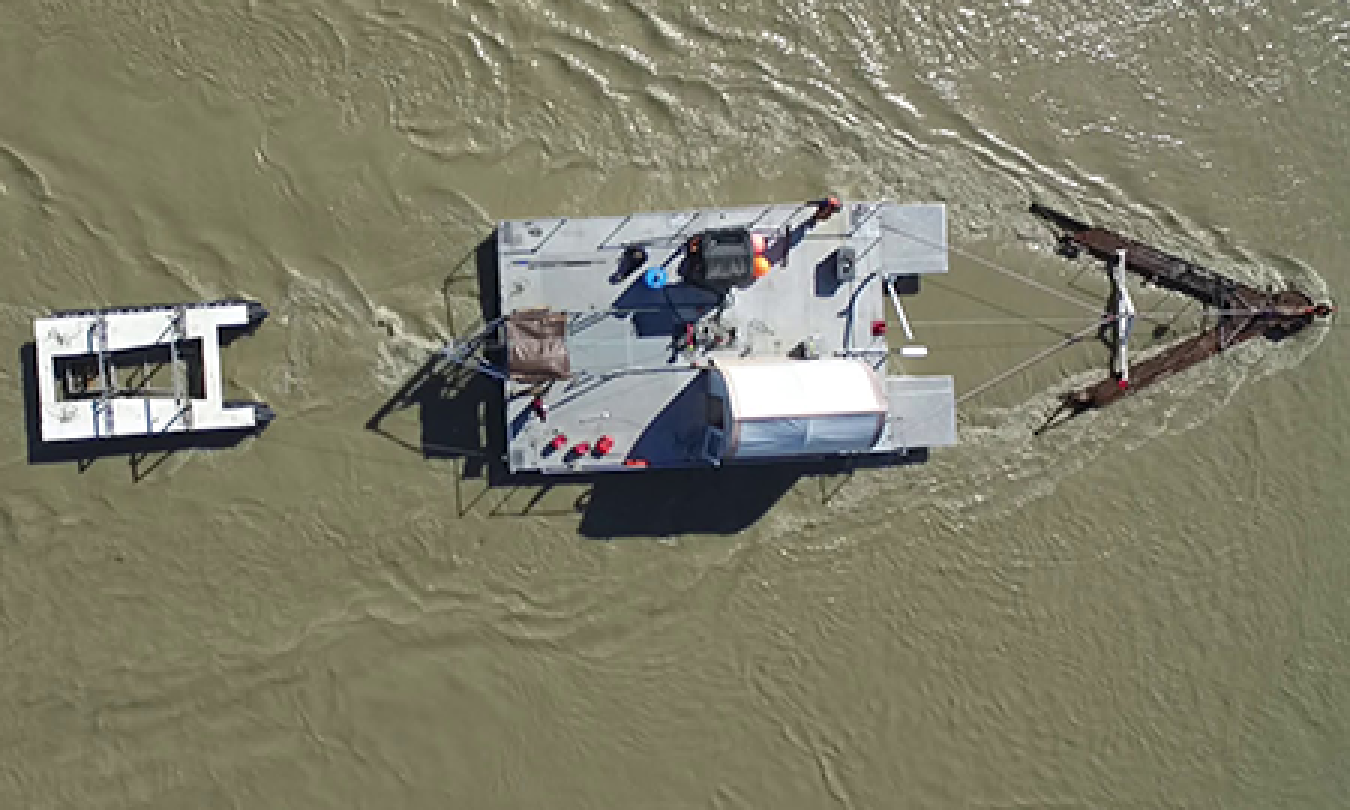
827, 208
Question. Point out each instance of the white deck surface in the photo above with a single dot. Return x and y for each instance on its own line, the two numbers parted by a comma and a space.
97, 418
628, 382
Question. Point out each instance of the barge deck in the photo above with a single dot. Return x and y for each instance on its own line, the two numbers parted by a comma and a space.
646, 341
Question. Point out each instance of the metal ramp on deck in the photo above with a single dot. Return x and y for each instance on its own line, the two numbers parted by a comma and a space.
921, 412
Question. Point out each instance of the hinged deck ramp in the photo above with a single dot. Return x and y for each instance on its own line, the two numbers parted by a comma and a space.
921, 412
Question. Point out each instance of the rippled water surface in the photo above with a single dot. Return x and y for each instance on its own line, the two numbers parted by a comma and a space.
1144, 608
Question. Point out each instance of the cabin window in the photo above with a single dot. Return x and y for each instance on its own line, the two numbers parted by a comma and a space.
717, 408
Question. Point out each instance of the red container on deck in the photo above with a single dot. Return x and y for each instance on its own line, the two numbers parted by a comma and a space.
557, 442
878, 328
603, 445
581, 448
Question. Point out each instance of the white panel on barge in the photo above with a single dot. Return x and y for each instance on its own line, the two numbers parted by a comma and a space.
615, 330
140, 371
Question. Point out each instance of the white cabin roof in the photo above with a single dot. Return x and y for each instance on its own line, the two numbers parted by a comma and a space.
773, 389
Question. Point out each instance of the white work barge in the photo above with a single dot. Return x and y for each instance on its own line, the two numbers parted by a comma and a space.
629, 384
95, 371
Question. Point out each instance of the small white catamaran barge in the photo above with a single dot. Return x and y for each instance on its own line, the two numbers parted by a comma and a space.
143, 371
713, 336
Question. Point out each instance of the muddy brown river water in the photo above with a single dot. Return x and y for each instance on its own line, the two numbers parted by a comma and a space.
1145, 608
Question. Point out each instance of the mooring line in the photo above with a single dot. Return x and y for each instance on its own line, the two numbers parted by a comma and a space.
995, 266
1035, 358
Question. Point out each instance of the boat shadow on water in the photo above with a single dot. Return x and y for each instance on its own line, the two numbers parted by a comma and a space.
461, 417
457, 411
144, 454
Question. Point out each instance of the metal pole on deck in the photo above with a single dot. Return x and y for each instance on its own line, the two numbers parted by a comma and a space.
105, 372
899, 309
1125, 313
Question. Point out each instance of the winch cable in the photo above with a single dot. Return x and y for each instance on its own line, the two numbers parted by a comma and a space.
996, 267
1035, 358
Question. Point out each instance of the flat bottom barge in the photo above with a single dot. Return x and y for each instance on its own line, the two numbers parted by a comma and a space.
712, 336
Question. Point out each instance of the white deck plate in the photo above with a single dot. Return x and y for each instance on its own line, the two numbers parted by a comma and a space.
658, 416
921, 412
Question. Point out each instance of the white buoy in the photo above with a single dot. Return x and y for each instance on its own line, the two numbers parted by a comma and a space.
913, 351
